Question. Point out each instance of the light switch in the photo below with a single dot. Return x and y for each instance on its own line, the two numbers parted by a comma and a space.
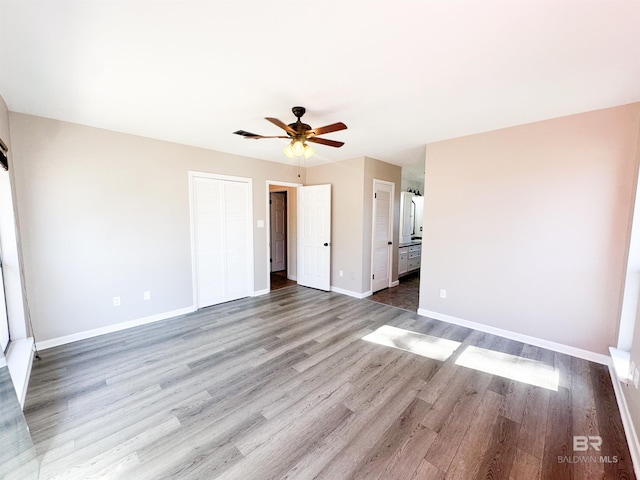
260, 223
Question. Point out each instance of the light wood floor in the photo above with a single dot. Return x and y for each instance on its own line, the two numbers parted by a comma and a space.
285, 386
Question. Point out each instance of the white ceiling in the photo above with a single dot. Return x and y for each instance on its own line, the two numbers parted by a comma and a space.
399, 74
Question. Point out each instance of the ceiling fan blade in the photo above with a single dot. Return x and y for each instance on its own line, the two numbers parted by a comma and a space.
255, 135
282, 125
324, 141
334, 127
246, 134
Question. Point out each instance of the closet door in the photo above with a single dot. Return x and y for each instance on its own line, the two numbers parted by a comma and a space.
382, 241
238, 240
222, 238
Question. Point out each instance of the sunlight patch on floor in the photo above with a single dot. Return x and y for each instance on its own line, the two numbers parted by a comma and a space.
418, 343
513, 367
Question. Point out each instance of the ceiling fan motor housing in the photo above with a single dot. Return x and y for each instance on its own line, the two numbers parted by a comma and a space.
298, 126
298, 111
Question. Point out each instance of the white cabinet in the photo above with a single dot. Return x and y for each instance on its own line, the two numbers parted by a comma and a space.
402, 262
409, 259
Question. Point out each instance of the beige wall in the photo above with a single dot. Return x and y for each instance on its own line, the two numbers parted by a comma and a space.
375, 169
528, 226
106, 214
351, 217
347, 190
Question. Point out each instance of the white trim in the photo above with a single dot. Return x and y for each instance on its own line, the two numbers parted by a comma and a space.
20, 360
257, 293
192, 233
373, 227
620, 361
267, 224
292, 277
54, 342
538, 342
395, 283
350, 293
627, 421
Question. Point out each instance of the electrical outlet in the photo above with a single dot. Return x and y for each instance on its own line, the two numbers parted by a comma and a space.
116, 301
443, 294
636, 378
147, 295
341, 273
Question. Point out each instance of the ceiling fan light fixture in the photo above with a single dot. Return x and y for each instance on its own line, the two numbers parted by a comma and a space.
308, 151
288, 151
298, 147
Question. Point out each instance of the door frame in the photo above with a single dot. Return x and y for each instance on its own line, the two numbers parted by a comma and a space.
373, 220
192, 228
277, 183
285, 195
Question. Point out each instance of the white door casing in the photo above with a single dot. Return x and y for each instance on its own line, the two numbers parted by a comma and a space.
314, 236
382, 234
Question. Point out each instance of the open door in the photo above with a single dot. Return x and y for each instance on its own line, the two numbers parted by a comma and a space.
382, 242
314, 236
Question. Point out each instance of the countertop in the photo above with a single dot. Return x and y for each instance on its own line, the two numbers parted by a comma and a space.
411, 243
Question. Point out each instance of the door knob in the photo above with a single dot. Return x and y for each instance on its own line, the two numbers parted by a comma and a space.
326, 244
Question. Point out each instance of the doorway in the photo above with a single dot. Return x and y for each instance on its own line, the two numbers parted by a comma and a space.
281, 234
278, 227
382, 234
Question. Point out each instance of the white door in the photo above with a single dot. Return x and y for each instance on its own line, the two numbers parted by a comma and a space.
314, 236
278, 223
382, 235
222, 238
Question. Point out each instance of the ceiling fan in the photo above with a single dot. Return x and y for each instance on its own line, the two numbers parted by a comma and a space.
300, 133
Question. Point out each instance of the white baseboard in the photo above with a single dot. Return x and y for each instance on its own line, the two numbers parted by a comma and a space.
627, 421
20, 360
54, 342
257, 293
350, 293
538, 342
292, 277
395, 283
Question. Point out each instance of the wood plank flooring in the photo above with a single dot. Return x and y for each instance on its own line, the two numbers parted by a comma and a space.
405, 295
284, 386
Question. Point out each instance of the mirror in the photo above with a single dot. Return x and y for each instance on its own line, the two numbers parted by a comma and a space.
18, 458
